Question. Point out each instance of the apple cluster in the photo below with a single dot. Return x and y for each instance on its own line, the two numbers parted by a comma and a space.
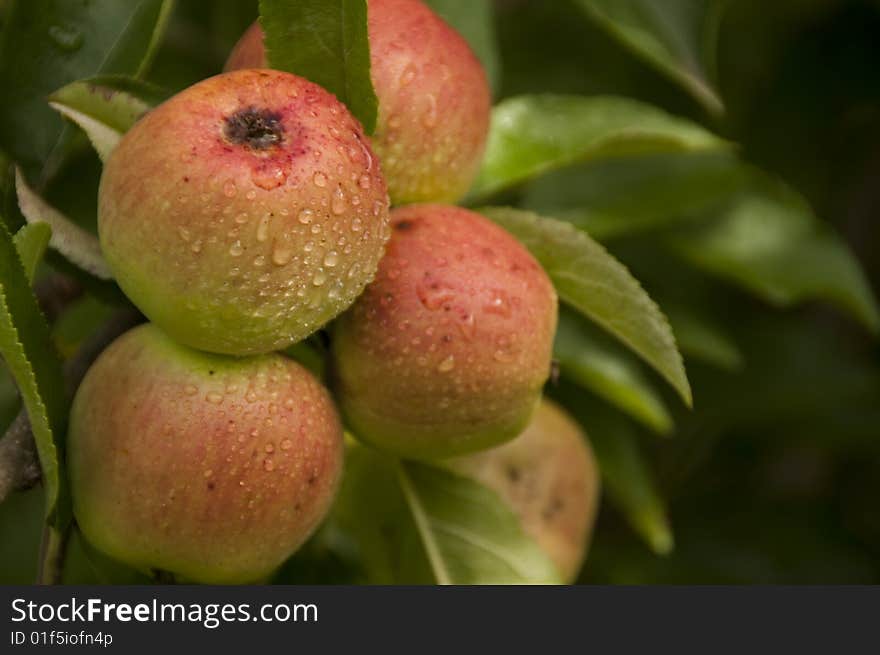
251, 210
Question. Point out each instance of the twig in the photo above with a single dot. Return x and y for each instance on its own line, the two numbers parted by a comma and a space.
52, 551
19, 465
55, 293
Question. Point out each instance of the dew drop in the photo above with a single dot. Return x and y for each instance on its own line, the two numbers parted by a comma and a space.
190, 390
368, 158
501, 356
319, 278
268, 465
263, 228
268, 177
305, 216
433, 296
409, 74
446, 365
214, 398
320, 179
364, 182
281, 255
357, 225
430, 117
184, 233
229, 189
331, 259
337, 204
499, 304
287, 444
467, 324
236, 249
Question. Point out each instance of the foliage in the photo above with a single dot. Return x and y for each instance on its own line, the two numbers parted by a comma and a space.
701, 200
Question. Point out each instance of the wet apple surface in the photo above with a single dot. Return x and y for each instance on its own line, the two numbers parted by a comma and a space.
244, 213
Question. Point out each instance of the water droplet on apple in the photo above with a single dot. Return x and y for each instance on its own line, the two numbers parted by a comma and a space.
337, 204
446, 365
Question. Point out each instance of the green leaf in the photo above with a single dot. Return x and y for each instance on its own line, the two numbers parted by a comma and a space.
631, 486
416, 524
599, 364
592, 281
9, 213
533, 135
325, 42
702, 339
769, 242
626, 474
79, 321
799, 381
371, 511
68, 238
621, 197
678, 37
21, 524
469, 534
9, 400
26, 346
106, 107
48, 44
31, 242
475, 21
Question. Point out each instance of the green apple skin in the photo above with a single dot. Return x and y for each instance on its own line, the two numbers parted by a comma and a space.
549, 477
213, 468
434, 100
244, 213
447, 351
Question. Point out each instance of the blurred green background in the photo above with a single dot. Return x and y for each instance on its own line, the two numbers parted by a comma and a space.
774, 477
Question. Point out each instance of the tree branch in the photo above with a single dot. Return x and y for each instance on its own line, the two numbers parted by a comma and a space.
55, 293
19, 465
